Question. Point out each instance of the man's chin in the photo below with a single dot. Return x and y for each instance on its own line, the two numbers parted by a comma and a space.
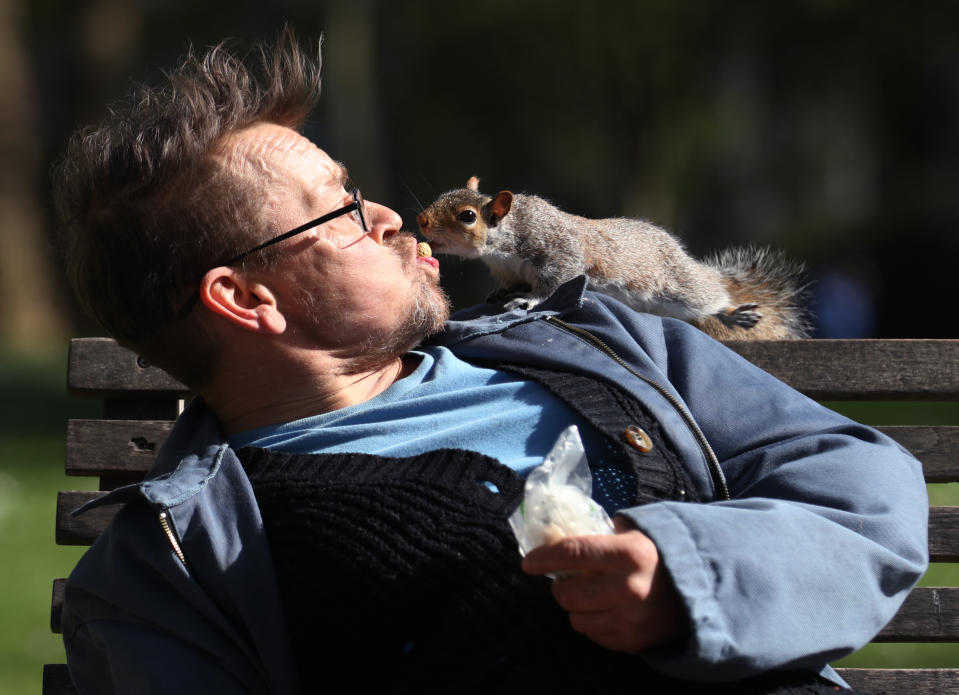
428, 312
434, 307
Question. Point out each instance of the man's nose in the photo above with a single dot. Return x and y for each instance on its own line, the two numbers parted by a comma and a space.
383, 221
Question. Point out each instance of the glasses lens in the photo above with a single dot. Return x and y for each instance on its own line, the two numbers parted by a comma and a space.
360, 212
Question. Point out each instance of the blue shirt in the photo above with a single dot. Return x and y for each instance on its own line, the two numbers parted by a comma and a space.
442, 404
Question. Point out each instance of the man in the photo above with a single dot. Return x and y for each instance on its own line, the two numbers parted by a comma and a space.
338, 497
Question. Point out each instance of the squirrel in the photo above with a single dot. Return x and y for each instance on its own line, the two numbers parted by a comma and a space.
532, 247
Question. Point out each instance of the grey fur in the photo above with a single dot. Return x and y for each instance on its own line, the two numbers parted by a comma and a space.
532, 247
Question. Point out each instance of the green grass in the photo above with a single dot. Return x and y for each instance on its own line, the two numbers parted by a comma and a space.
29, 479
33, 413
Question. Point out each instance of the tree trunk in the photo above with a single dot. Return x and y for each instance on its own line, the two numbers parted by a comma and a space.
30, 317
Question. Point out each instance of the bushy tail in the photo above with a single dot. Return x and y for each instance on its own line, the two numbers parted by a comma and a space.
768, 279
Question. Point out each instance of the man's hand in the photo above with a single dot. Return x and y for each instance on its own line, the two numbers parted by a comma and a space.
622, 597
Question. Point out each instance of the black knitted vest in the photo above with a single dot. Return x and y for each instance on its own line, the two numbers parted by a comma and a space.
408, 566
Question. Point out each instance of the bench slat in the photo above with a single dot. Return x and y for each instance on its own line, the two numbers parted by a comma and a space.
56, 606
925, 681
861, 369
823, 369
944, 534
100, 368
936, 446
937, 681
114, 447
56, 680
123, 447
929, 614
917, 681
83, 530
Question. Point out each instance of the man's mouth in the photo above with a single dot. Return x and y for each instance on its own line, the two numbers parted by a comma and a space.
424, 254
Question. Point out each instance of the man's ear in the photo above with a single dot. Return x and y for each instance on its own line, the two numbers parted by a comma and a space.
250, 305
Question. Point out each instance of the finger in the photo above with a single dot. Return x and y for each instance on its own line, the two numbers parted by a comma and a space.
606, 553
631, 633
608, 630
573, 553
591, 592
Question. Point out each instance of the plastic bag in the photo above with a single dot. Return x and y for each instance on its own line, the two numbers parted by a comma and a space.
557, 501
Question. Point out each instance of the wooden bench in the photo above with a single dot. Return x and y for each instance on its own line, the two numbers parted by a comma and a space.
140, 402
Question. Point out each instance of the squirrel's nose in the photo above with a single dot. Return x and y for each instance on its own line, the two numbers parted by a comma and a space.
422, 220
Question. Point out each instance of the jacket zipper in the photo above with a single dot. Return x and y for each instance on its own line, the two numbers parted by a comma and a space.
712, 462
165, 524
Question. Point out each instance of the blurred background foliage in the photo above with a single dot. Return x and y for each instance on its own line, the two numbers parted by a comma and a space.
827, 128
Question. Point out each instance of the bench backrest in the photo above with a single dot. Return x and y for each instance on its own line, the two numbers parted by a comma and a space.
140, 403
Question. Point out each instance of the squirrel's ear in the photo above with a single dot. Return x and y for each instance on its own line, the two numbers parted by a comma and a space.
499, 206
473, 183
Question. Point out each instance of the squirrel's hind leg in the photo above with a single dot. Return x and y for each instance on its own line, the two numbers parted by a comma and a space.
744, 316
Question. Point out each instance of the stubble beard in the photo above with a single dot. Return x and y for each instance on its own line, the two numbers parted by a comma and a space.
426, 314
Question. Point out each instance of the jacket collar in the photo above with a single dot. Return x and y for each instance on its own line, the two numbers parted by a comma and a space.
484, 319
189, 458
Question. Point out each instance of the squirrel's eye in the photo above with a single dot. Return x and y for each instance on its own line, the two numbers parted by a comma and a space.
467, 216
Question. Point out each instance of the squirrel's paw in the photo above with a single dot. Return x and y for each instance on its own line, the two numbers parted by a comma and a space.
524, 302
744, 316
502, 294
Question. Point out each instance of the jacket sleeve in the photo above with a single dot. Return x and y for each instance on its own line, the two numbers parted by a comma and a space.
824, 536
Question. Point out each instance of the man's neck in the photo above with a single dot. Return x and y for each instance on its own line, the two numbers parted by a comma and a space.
297, 389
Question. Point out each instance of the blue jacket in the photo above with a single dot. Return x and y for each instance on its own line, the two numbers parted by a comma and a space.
816, 534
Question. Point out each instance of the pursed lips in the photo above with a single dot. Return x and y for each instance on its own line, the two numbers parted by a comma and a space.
402, 243
424, 254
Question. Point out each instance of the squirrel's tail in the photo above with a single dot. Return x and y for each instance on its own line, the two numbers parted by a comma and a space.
768, 279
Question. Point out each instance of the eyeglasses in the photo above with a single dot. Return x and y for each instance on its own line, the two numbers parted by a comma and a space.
357, 208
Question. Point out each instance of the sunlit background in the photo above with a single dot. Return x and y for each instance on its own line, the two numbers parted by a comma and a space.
826, 128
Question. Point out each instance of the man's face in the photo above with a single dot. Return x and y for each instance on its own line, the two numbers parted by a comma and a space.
365, 297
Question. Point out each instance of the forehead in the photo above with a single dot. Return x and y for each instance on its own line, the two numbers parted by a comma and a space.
280, 154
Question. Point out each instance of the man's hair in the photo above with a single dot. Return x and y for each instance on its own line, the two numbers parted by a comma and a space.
145, 208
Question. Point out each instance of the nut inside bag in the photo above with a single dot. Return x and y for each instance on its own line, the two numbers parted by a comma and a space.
557, 501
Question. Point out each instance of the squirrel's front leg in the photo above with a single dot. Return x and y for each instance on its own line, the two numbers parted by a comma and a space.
503, 294
522, 285
538, 291
516, 297
525, 301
